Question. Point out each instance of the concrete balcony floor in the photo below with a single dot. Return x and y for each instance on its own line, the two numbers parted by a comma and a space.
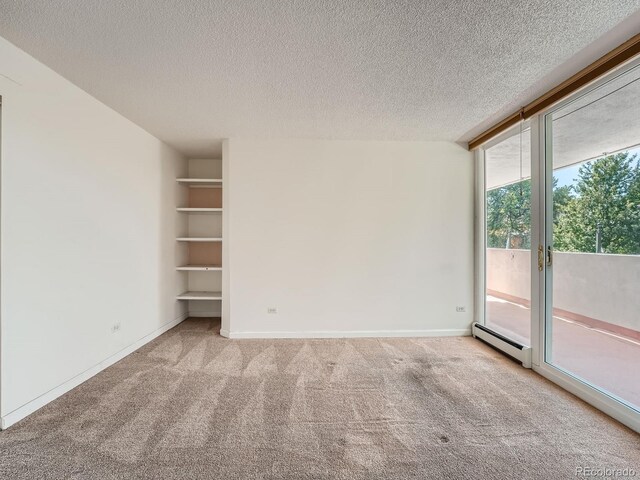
609, 361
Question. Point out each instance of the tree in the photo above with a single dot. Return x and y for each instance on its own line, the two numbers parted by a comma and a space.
509, 216
561, 198
605, 200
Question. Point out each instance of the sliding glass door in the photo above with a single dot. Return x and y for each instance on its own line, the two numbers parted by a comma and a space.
592, 304
559, 242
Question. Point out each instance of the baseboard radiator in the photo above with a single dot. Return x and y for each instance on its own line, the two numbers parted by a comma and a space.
508, 346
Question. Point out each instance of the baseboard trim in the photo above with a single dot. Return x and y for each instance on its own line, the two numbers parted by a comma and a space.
351, 334
39, 402
204, 314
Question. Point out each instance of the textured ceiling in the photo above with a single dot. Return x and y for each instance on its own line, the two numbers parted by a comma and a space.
193, 72
596, 122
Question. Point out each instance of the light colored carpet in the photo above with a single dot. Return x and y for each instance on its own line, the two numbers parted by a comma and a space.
193, 405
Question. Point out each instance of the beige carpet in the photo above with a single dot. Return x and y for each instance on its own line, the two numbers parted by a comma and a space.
192, 405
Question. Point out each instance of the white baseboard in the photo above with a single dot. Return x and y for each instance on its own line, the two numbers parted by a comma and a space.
351, 334
39, 402
204, 314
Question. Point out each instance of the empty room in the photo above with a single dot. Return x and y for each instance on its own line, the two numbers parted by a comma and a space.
298, 239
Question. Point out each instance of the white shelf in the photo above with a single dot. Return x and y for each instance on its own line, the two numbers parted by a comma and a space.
199, 239
201, 182
199, 207
200, 268
200, 296
198, 210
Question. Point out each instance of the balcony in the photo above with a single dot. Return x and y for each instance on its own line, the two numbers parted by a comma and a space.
596, 315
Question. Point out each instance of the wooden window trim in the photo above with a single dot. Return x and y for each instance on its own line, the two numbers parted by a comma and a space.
597, 69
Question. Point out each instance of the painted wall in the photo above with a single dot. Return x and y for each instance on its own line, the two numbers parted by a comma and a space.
597, 286
349, 238
509, 272
87, 234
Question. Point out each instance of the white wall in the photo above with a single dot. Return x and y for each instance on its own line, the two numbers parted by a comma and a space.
87, 234
349, 238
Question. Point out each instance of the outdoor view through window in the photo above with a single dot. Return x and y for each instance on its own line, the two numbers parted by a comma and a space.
594, 143
508, 236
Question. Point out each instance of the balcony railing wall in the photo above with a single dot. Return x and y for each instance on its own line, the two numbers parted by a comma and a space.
602, 287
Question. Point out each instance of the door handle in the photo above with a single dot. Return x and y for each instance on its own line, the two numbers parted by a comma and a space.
549, 256
540, 258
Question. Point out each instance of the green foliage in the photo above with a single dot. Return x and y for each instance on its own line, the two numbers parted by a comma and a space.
605, 198
509, 216
561, 198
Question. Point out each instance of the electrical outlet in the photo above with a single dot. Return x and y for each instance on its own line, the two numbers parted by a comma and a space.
272, 310
461, 309
115, 327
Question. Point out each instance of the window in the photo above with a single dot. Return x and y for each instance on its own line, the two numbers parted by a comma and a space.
508, 235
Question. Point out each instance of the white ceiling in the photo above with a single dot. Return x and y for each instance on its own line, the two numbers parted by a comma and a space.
193, 72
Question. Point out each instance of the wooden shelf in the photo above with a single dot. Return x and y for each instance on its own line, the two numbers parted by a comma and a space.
198, 210
201, 182
200, 268
199, 239
200, 296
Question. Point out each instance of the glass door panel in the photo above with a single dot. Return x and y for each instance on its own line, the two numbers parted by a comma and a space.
592, 324
508, 235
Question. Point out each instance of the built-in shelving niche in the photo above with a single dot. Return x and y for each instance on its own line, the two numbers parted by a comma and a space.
201, 239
